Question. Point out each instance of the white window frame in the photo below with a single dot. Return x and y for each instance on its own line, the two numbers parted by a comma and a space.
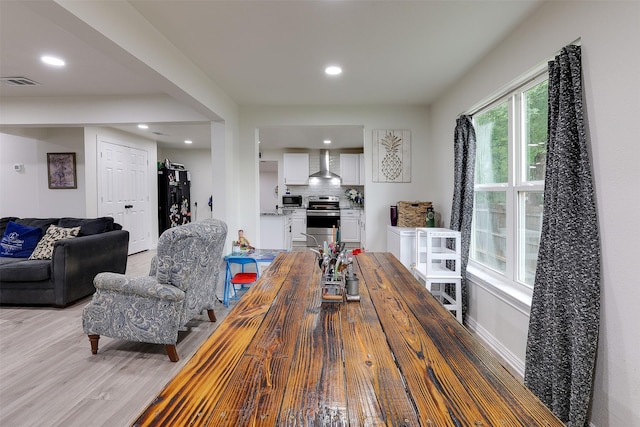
507, 286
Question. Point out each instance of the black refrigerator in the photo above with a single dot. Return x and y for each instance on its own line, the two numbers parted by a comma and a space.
174, 198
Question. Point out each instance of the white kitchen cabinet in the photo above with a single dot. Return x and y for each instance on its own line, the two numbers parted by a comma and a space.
272, 234
361, 167
350, 225
350, 169
363, 231
296, 168
299, 225
401, 242
288, 232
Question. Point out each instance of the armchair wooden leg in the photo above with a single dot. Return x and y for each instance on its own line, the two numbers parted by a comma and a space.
93, 339
212, 315
172, 352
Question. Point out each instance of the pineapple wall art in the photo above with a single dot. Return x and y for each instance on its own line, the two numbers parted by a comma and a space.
391, 155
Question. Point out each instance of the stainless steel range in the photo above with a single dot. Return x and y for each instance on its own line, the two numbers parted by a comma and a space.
323, 219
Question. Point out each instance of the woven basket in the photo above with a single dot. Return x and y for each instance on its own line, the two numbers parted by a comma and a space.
412, 214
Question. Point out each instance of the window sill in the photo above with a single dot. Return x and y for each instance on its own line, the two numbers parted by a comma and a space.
513, 294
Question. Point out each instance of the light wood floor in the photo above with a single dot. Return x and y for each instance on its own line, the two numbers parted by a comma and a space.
48, 376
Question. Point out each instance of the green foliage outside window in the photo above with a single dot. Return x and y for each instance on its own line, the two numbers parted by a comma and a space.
492, 131
508, 212
537, 110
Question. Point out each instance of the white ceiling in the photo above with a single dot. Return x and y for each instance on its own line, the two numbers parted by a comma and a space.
263, 52
311, 137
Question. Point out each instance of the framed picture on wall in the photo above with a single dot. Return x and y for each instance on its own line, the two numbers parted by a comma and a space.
61, 170
391, 155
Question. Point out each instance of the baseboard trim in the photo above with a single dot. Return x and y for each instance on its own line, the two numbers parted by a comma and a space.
507, 355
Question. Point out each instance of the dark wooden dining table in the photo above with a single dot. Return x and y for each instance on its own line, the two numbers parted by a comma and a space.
282, 357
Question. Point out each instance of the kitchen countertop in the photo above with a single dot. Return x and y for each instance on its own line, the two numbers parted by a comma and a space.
289, 211
272, 214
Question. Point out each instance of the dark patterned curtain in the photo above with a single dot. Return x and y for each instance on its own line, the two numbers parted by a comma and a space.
565, 310
462, 207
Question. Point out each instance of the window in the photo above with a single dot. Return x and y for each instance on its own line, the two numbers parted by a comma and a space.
511, 137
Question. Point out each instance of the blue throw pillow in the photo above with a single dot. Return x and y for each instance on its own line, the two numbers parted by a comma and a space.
18, 241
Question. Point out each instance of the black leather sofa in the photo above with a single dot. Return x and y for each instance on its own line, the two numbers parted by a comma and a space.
100, 246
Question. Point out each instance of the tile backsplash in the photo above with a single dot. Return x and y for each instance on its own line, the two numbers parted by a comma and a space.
324, 187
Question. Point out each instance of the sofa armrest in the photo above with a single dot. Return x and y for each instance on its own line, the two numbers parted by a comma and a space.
145, 286
75, 262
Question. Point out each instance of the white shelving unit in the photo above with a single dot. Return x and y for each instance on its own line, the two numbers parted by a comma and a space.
437, 252
437, 265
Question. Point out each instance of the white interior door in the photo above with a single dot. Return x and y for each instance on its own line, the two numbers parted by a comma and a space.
137, 206
123, 192
112, 164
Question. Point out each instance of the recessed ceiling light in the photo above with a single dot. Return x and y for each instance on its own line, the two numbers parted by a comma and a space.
52, 60
327, 141
142, 126
333, 70
188, 141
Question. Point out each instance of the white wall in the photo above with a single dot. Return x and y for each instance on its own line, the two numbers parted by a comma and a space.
58, 203
198, 163
379, 196
27, 193
268, 197
19, 190
610, 35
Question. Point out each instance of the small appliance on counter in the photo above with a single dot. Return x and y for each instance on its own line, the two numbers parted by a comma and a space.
291, 201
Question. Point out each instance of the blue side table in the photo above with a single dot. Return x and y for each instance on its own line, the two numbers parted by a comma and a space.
260, 255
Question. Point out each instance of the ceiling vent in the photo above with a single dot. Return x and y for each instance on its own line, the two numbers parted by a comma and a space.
18, 81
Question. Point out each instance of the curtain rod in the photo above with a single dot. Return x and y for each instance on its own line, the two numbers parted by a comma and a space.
521, 80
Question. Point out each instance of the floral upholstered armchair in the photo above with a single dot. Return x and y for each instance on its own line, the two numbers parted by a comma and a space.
181, 284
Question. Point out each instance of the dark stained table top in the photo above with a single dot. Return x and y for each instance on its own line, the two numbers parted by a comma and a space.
282, 357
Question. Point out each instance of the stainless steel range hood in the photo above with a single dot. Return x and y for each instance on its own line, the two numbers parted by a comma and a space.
324, 171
